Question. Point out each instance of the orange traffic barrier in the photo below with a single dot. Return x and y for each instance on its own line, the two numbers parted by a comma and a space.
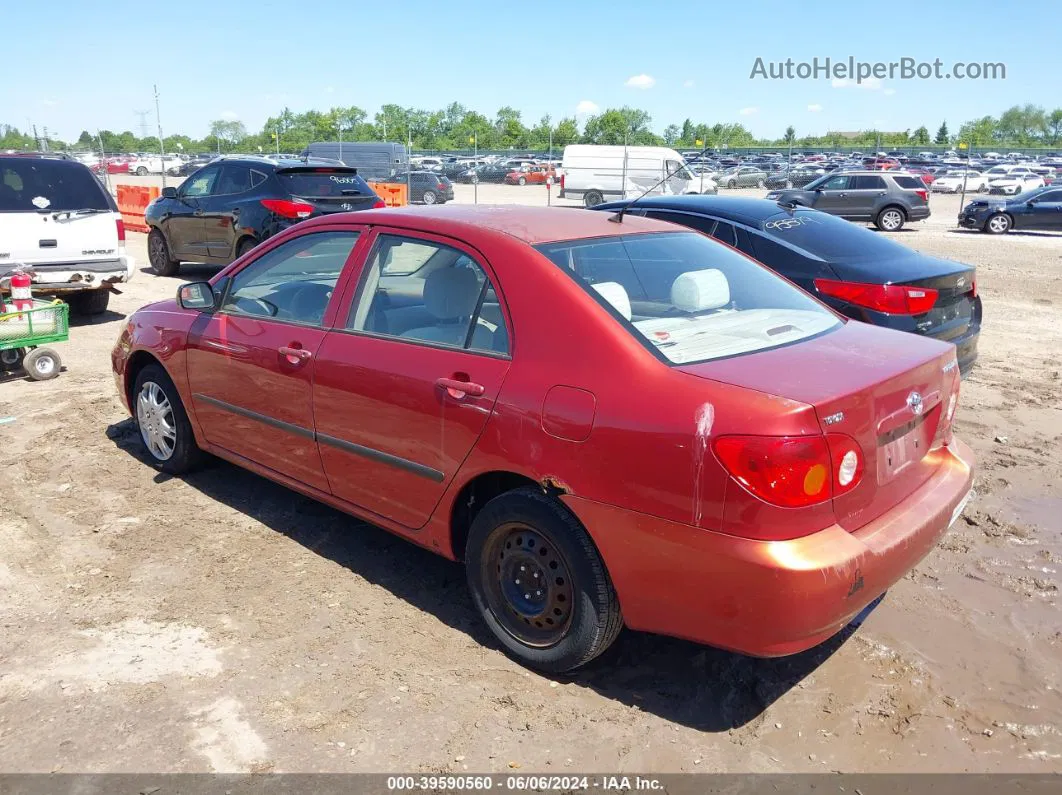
132, 202
394, 194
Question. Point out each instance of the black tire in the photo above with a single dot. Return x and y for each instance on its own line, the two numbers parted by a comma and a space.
592, 198
90, 302
429, 197
11, 359
42, 364
890, 219
162, 264
528, 629
521, 181
759, 183
244, 246
731, 184
141, 171
185, 454
997, 224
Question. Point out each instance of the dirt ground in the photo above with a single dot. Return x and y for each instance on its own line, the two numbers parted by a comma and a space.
223, 623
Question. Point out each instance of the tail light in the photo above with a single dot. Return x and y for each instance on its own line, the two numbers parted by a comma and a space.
121, 229
288, 209
788, 471
562, 181
892, 299
440, 186
922, 194
379, 204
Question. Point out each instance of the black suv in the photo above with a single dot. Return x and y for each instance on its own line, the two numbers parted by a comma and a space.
231, 205
887, 199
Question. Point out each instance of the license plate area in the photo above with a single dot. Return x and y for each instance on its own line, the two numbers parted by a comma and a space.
901, 447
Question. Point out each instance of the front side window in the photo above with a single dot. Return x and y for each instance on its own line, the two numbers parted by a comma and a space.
201, 183
420, 290
292, 282
834, 183
688, 298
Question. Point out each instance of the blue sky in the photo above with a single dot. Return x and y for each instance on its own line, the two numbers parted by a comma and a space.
92, 65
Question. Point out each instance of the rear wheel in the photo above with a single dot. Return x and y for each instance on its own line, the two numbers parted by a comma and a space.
141, 171
42, 364
731, 184
430, 197
593, 198
759, 183
11, 359
90, 302
539, 583
521, 181
890, 219
159, 255
245, 245
998, 224
163, 423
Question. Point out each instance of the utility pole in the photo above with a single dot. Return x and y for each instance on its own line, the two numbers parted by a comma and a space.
103, 163
475, 160
46, 146
37, 138
162, 145
143, 114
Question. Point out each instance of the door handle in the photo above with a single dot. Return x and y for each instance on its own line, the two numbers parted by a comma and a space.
458, 389
198, 212
841, 195
294, 355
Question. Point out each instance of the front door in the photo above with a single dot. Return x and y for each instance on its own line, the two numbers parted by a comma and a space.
832, 195
405, 383
184, 222
251, 364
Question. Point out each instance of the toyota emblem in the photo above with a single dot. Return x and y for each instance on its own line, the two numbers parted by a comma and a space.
914, 402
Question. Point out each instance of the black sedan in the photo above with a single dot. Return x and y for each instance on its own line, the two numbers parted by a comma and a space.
229, 206
859, 273
1040, 208
492, 172
194, 164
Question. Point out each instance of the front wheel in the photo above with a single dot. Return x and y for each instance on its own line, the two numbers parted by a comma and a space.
891, 219
731, 184
997, 224
593, 198
539, 582
163, 423
42, 364
521, 181
759, 183
141, 172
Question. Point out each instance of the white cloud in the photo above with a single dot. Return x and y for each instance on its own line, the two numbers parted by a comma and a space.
49, 103
814, 108
748, 111
889, 92
688, 84
587, 107
869, 83
640, 81
230, 115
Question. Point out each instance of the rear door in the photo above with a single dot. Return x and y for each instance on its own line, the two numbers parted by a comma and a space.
406, 382
865, 192
328, 189
220, 210
38, 222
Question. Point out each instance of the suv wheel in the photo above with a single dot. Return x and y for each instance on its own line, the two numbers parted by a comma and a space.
593, 198
90, 302
159, 255
429, 197
997, 224
891, 219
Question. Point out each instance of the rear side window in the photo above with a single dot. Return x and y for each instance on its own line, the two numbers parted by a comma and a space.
689, 299
724, 232
321, 183
34, 184
867, 182
909, 183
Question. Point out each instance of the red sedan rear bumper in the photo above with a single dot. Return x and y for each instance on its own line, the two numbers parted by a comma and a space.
769, 598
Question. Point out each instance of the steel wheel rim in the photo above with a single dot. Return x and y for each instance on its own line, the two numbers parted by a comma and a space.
997, 223
528, 585
154, 415
44, 364
891, 219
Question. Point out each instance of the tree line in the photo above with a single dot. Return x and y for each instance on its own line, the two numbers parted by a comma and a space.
457, 128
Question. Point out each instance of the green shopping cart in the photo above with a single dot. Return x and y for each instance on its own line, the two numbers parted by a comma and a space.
24, 331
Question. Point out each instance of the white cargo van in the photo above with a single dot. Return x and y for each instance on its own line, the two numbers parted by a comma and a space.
593, 173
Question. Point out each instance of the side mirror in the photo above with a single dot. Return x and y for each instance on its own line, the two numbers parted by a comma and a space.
169, 193
196, 295
1030, 203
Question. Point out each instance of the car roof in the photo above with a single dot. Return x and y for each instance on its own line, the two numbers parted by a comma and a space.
531, 225
744, 210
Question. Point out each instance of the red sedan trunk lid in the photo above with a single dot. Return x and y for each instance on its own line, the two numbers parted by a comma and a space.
886, 389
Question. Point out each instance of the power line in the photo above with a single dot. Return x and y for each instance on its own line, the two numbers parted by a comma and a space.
144, 126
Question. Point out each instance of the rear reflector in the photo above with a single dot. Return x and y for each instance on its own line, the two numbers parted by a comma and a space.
288, 209
848, 462
788, 471
121, 230
892, 299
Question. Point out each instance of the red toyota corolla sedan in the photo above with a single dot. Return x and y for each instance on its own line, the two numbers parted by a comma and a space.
610, 423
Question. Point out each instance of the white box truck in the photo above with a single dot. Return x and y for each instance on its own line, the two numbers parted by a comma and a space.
594, 173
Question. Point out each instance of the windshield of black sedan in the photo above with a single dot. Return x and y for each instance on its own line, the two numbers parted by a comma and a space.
688, 297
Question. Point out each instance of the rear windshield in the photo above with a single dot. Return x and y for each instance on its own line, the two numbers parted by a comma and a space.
909, 182
36, 185
323, 182
831, 238
689, 298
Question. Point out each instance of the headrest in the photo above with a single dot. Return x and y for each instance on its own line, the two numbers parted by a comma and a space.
451, 293
696, 291
616, 295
